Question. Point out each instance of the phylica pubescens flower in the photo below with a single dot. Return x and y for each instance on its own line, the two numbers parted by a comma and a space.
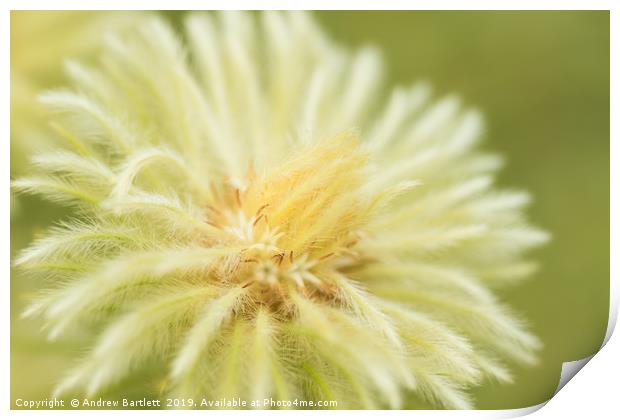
257, 218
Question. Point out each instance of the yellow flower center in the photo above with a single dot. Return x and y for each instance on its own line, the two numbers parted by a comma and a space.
298, 223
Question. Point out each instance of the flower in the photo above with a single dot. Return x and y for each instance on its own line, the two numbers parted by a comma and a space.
256, 219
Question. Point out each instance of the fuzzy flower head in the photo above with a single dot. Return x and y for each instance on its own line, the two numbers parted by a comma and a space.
257, 219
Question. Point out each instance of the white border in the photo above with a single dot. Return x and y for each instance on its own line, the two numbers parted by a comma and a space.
593, 394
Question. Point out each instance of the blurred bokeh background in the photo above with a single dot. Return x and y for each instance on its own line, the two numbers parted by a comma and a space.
541, 79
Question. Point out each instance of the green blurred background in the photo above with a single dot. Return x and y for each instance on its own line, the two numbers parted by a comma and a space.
542, 80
